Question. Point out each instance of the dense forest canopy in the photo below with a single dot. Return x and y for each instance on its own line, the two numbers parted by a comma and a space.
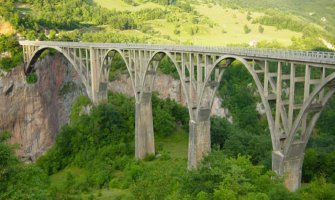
91, 156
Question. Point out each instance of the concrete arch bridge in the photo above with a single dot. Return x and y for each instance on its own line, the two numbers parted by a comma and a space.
294, 87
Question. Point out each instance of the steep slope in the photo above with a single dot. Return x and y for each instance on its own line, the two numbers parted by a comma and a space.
35, 113
207, 24
312, 10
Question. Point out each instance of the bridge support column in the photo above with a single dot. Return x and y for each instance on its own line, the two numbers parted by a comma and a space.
144, 132
199, 139
100, 94
288, 167
94, 76
99, 89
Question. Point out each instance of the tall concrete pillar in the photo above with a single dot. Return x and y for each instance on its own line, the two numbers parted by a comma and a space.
102, 94
199, 138
144, 131
290, 167
94, 76
98, 88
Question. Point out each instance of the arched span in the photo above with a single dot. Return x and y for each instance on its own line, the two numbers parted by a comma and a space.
37, 53
165, 53
305, 107
105, 56
275, 143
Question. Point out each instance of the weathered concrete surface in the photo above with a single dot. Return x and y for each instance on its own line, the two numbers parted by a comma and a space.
199, 142
288, 167
144, 132
35, 113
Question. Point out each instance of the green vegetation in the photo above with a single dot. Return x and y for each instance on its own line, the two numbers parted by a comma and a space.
67, 88
260, 29
19, 181
319, 156
246, 29
10, 52
92, 157
232, 21
31, 78
187, 22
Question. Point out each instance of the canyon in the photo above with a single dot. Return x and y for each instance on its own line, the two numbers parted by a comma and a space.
34, 113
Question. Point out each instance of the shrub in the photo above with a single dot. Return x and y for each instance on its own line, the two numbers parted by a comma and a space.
150, 157
31, 78
260, 29
246, 29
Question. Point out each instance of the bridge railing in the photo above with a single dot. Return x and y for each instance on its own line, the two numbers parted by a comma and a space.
298, 55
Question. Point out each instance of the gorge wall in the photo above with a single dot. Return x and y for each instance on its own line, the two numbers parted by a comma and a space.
35, 113
167, 87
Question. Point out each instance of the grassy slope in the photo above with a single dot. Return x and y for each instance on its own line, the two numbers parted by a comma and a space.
176, 145
120, 5
311, 9
232, 21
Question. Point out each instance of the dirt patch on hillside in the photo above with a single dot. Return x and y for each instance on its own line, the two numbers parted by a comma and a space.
6, 28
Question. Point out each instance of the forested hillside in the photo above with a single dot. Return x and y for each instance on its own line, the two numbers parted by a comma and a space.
93, 156
93, 159
180, 22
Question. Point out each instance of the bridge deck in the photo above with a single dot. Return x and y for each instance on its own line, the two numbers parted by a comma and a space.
313, 57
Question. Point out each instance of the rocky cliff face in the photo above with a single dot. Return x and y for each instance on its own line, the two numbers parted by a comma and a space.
167, 87
35, 113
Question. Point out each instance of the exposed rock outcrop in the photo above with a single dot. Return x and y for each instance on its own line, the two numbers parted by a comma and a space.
167, 87
35, 113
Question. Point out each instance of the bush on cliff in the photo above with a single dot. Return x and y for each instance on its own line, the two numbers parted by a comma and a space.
18, 180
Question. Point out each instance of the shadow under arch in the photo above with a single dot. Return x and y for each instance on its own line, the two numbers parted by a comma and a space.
306, 106
259, 86
108, 59
159, 55
38, 52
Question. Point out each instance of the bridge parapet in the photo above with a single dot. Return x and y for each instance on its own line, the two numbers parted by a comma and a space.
298, 56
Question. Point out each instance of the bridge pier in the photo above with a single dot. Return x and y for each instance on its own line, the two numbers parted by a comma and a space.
100, 92
144, 132
288, 167
199, 139
98, 88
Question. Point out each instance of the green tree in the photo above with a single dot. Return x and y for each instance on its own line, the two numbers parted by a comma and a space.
19, 181
260, 29
31, 78
246, 29
52, 34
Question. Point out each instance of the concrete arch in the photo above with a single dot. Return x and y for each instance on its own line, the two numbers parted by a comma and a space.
117, 51
37, 53
275, 144
168, 54
304, 110
124, 60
